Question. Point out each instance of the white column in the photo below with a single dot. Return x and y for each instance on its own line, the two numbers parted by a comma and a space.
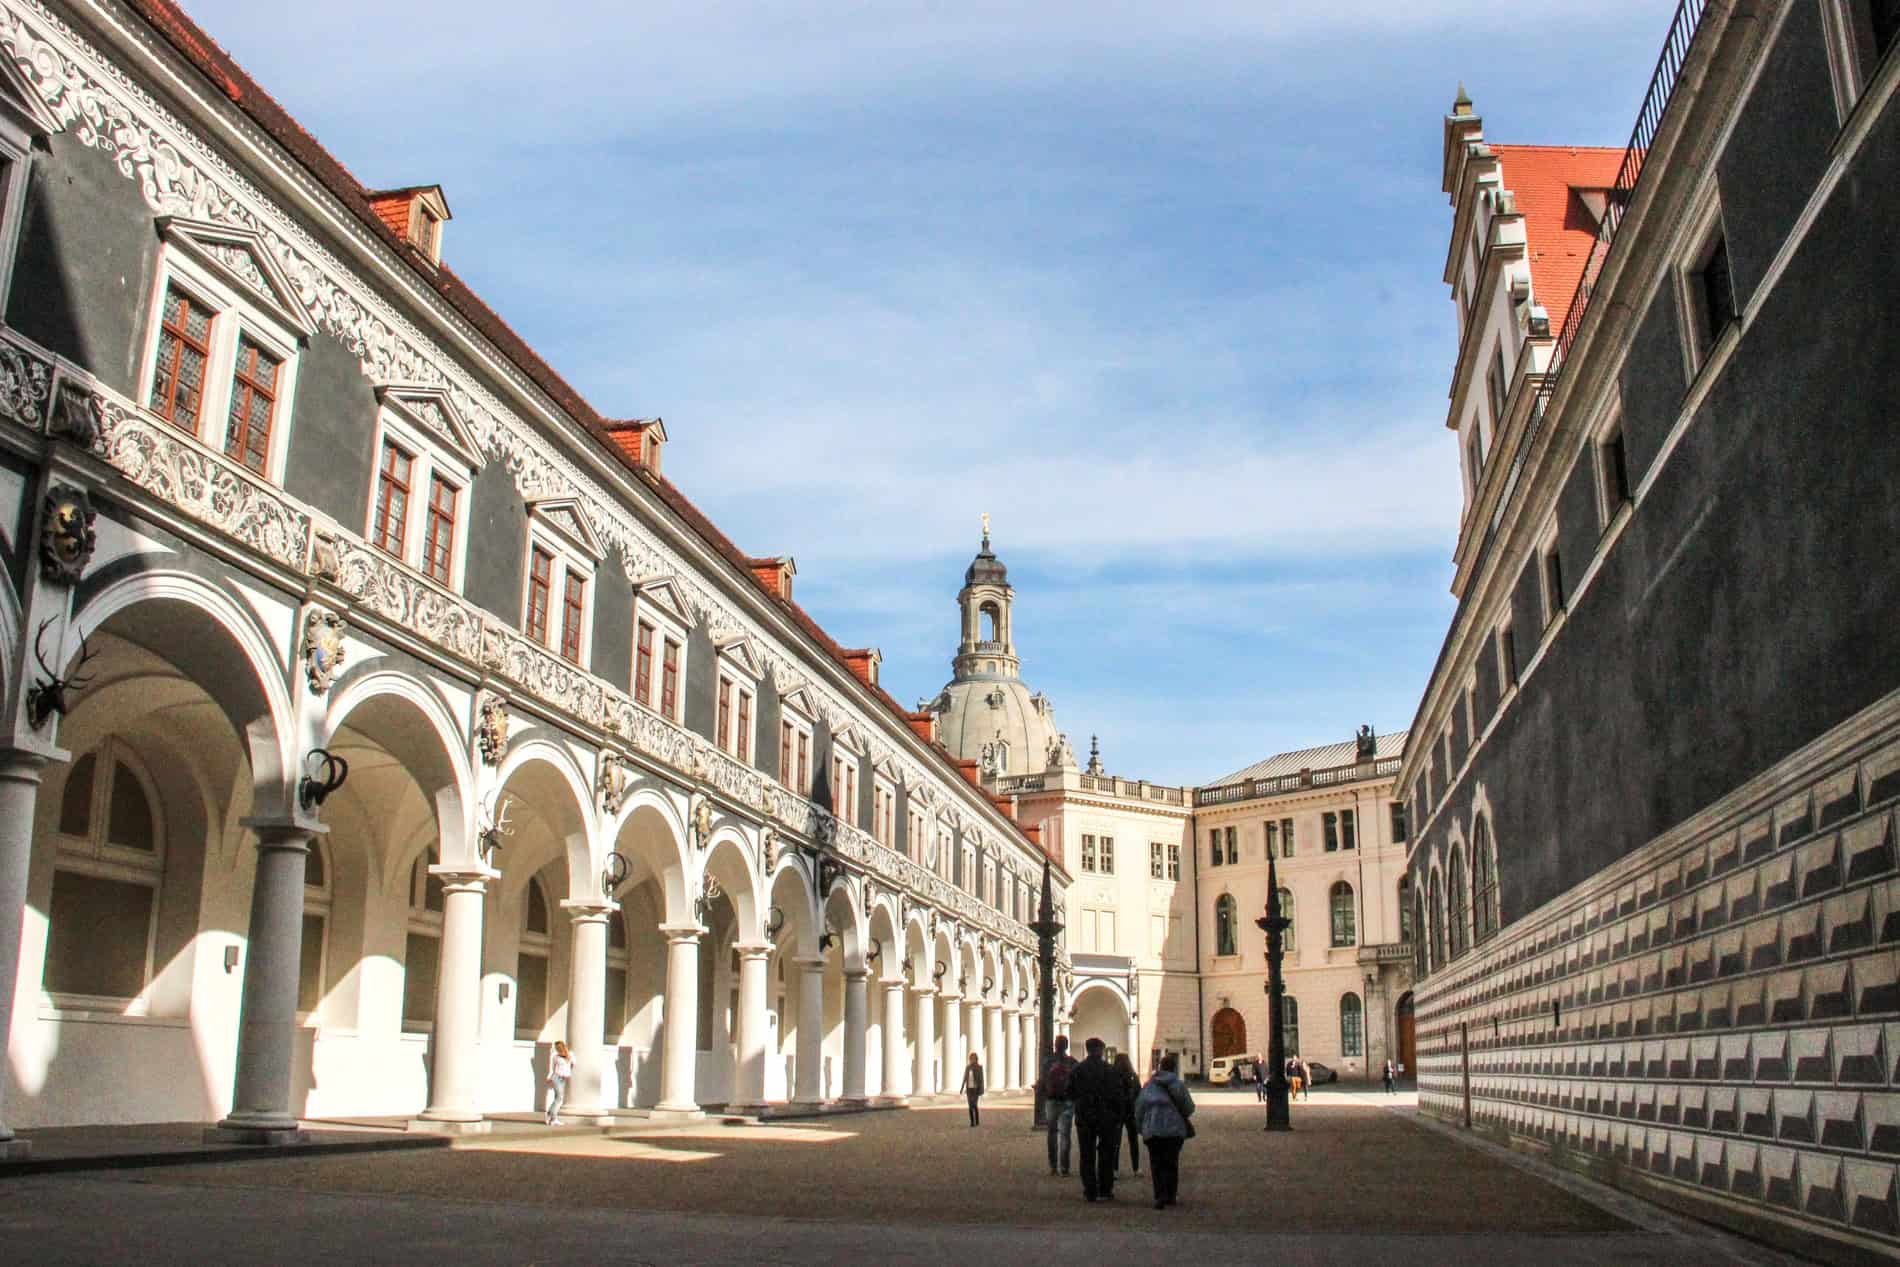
951, 1071
19, 790
1135, 1054
456, 1043
923, 1080
809, 1069
973, 1035
587, 1009
681, 1018
749, 1087
893, 1038
267, 1018
993, 1059
1012, 1048
856, 1029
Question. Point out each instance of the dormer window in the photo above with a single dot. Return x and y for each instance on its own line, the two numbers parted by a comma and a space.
639, 438
415, 214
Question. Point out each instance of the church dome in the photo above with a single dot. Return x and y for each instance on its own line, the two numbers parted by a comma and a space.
999, 723
986, 568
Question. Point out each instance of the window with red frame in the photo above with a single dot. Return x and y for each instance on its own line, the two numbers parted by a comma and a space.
670, 680
643, 664
253, 399
723, 730
742, 742
804, 764
392, 500
438, 539
540, 583
785, 753
184, 345
573, 608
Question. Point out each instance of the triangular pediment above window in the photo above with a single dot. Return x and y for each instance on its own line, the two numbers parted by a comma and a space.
564, 516
798, 701
663, 593
22, 103
887, 768
240, 257
432, 410
849, 739
743, 655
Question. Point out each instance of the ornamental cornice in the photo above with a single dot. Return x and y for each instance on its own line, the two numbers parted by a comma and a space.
180, 175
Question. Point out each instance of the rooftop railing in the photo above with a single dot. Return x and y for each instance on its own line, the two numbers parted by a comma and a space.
1331, 776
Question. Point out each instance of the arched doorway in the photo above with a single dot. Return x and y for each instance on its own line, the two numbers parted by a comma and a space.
1228, 1032
1408, 1037
1099, 1012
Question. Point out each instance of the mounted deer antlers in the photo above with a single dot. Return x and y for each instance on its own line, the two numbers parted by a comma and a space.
48, 698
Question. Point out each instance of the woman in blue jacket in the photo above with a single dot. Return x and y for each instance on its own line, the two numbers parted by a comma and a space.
1163, 1110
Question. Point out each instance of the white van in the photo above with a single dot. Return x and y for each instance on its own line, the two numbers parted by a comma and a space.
1224, 1068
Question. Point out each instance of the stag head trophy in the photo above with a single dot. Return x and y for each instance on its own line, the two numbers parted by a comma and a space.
47, 698
488, 840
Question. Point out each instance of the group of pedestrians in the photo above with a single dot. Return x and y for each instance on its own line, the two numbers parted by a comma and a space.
1101, 1101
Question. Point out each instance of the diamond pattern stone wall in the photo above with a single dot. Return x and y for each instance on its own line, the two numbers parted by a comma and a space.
1719, 1012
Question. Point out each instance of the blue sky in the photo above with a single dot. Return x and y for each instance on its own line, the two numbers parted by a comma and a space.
1155, 285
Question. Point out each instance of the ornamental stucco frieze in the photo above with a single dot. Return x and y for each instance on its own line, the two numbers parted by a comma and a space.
179, 174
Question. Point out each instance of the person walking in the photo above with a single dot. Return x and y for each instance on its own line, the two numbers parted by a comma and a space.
1388, 1077
1293, 1077
1164, 1110
1099, 1113
1306, 1080
1260, 1079
973, 1084
560, 1069
1059, 1107
1131, 1088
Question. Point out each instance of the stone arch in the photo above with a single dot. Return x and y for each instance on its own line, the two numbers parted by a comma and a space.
408, 721
650, 834
547, 784
176, 613
729, 861
842, 913
792, 897
1227, 1034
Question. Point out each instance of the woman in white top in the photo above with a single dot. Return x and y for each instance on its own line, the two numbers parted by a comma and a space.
560, 1069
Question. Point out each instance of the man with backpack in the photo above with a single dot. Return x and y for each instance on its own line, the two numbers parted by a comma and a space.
1061, 1106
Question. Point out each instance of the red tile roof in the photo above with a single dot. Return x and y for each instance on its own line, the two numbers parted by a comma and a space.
218, 66
1558, 228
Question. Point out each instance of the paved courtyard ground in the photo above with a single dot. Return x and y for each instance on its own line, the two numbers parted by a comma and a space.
1357, 1181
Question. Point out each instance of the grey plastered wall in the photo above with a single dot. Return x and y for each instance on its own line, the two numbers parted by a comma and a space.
821, 789
702, 677
497, 537
82, 279
1736, 618
1779, 149
903, 820
1652, 384
613, 622
771, 714
1578, 522
332, 425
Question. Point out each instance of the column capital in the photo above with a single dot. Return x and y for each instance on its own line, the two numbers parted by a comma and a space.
753, 949
892, 983
926, 990
583, 910
677, 933
856, 974
463, 876
22, 765
282, 833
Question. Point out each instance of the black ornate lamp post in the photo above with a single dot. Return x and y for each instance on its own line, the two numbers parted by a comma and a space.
1045, 929
1279, 1117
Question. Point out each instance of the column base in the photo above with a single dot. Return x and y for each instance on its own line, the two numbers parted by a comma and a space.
890, 1101
15, 1149
676, 1113
449, 1126
229, 1132
750, 1108
587, 1117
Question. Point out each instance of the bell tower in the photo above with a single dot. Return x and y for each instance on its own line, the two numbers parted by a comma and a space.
986, 650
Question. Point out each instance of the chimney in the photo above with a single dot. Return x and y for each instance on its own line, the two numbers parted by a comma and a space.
971, 771
638, 438
863, 661
775, 574
924, 723
416, 214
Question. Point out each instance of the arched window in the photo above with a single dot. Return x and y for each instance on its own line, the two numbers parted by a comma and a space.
110, 858
531, 964
1352, 1026
1484, 880
1289, 943
1457, 928
422, 948
316, 924
1438, 922
987, 623
1345, 932
1421, 957
1290, 1024
1405, 909
1226, 934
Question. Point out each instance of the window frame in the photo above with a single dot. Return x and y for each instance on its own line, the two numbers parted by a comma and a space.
1550, 576
655, 609
95, 857
534, 945
1701, 343
429, 459
235, 311
1350, 926
801, 727
737, 671
1610, 450
319, 900
846, 760
23, 120
1229, 947
1157, 861
883, 809
570, 557
1853, 61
